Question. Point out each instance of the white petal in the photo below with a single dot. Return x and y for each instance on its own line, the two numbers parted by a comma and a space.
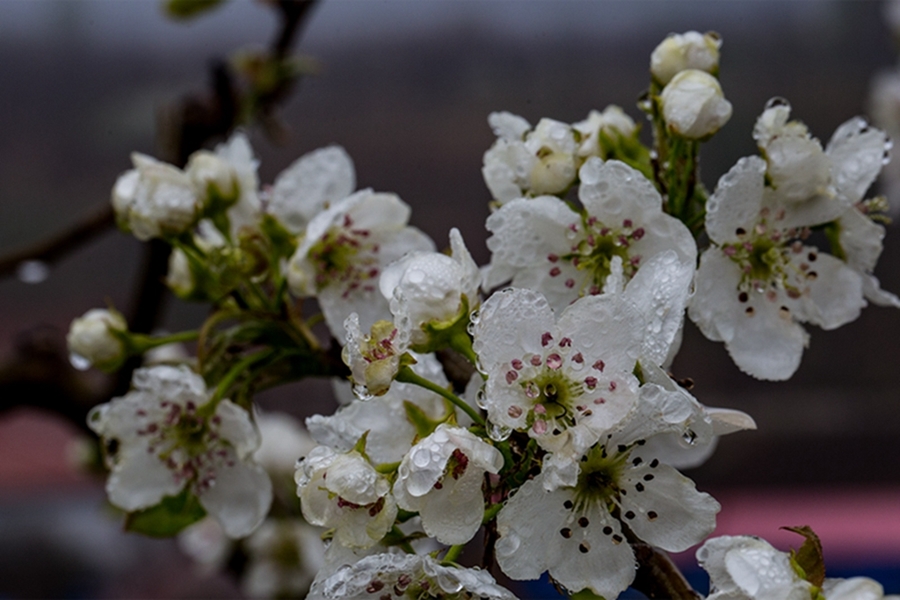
855, 588
861, 239
510, 324
310, 184
736, 201
453, 513
669, 512
836, 295
237, 428
239, 498
857, 152
605, 327
140, 479
508, 126
613, 191
526, 231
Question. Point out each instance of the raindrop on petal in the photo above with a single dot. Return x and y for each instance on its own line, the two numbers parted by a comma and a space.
498, 433
362, 392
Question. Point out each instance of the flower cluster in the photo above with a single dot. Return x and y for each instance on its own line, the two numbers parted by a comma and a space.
542, 414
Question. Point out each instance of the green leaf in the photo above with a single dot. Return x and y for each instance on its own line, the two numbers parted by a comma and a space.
809, 557
833, 234
168, 517
188, 9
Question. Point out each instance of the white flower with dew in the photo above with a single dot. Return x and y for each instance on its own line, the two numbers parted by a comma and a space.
567, 381
310, 185
758, 281
441, 477
344, 491
374, 358
749, 568
284, 442
576, 531
391, 434
693, 104
406, 576
344, 251
613, 122
430, 288
94, 337
167, 438
527, 162
542, 244
155, 199
682, 51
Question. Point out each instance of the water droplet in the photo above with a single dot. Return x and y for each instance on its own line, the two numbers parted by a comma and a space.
32, 271
79, 362
689, 437
474, 316
362, 392
481, 399
448, 583
498, 433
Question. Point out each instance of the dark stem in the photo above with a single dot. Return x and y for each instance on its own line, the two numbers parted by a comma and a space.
658, 577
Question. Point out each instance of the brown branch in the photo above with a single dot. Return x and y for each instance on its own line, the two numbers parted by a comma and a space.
658, 577
56, 247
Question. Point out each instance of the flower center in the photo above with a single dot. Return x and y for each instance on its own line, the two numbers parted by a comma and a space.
595, 251
344, 255
598, 482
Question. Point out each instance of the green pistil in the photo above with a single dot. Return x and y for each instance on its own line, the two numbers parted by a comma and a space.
598, 482
556, 393
335, 257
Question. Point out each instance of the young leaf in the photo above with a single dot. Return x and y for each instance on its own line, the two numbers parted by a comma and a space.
168, 517
809, 557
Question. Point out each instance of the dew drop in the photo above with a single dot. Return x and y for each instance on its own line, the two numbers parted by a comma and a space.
79, 362
32, 271
689, 437
498, 433
362, 392
481, 399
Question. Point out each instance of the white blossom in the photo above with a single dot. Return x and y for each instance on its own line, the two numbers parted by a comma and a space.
749, 568
155, 199
693, 104
391, 434
529, 162
406, 576
374, 357
612, 122
283, 442
682, 51
567, 381
441, 477
758, 281
542, 244
574, 529
237, 154
310, 185
344, 491
426, 288
94, 336
344, 251
167, 438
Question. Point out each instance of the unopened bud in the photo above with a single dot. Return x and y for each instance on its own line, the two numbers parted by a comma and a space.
93, 338
693, 104
683, 51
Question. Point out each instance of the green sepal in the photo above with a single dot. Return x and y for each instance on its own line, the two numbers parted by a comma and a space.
446, 334
360, 445
626, 148
424, 425
283, 242
833, 235
168, 517
808, 561
188, 9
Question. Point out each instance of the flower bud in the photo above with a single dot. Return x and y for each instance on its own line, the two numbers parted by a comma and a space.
214, 178
180, 279
93, 338
682, 51
693, 104
155, 199
553, 145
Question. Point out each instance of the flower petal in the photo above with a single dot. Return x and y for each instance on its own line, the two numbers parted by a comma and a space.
239, 498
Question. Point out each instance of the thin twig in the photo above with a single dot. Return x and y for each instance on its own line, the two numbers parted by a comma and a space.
59, 245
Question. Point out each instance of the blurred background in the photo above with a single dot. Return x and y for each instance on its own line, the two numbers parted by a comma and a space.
406, 88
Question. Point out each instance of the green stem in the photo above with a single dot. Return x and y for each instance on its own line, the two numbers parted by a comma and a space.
490, 513
453, 553
407, 375
141, 343
462, 343
236, 371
